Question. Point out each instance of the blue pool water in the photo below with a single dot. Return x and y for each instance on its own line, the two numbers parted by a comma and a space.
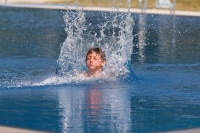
160, 93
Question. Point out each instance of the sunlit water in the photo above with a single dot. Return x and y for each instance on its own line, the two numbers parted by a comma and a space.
156, 88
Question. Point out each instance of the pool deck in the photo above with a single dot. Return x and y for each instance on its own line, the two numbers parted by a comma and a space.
185, 131
4, 129
132, 10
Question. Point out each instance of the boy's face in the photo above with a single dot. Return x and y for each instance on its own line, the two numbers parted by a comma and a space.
94, 62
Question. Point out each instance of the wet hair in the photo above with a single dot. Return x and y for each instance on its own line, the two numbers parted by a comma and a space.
98, 51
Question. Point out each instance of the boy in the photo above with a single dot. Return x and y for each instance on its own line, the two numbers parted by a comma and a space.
95, 60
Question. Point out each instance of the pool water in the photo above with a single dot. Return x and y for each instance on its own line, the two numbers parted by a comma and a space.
160, 93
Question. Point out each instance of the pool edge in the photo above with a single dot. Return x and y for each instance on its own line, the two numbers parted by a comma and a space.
6, 129
74, 7
196, 130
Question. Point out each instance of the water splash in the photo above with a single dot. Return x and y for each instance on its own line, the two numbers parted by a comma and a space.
112, 31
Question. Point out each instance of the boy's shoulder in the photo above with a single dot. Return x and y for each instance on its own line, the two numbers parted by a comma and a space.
103, 74
82, 75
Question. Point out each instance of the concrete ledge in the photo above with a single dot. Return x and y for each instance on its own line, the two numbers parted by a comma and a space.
73, 7
186, 131
4, 129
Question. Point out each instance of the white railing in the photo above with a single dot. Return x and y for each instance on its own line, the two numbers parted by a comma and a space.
167, 4
143, 5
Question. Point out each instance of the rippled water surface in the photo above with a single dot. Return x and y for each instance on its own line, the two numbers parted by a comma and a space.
161, 92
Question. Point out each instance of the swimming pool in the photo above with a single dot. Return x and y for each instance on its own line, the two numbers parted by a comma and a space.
161, 92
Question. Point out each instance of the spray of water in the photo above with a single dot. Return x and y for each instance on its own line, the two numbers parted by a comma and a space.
112, 31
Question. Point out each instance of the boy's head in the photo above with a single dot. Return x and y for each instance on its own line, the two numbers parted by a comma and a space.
97, 51
95, 59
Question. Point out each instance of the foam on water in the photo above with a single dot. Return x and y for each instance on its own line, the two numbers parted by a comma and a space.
52, 80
